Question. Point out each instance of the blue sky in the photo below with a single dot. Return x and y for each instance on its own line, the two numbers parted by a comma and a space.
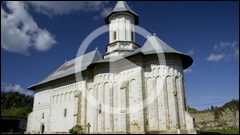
37, 38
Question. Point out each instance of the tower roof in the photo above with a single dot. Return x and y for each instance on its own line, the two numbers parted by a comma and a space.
155, 45
122, 6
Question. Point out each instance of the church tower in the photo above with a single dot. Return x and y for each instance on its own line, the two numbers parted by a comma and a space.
121, 22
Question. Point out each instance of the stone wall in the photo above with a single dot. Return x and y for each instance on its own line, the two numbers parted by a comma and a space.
116, 94
217, 120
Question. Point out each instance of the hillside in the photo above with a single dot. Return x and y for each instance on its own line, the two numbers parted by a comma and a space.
232, 105
15, 104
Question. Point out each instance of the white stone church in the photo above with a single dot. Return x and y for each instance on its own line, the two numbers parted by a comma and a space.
129, 89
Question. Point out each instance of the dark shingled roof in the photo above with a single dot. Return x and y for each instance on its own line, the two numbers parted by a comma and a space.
69, 67
154, 45
122, 7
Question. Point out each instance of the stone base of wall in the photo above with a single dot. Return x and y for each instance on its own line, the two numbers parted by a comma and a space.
227, 119
46, 132
182, 131
206, 125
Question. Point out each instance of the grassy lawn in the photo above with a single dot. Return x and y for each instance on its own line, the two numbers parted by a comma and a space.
223, 131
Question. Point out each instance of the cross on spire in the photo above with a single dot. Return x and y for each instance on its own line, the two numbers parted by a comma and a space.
154, 31
96, 45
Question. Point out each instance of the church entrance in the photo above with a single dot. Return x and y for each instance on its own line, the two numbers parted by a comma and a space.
42, 129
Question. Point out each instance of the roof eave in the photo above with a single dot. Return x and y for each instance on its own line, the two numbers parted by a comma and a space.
186, 60
31, 88
121, 41
136, 18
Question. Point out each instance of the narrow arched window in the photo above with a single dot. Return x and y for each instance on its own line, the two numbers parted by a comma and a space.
65, 112
100, 108
114, 35
42, 115
132, 36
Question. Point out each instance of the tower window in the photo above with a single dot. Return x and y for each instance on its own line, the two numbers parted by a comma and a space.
42, 115
114, 35
132, 35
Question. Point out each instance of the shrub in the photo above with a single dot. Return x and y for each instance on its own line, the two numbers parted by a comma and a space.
76, 129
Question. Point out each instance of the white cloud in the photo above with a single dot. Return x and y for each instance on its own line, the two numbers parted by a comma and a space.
44, 40
7, 87
228, 51
190, 52
236, 52
225, 46
189, 70
19, 31
194, 65
103, 14
52, 8
106, 11
215, 57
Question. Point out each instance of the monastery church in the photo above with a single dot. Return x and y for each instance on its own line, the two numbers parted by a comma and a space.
129, 89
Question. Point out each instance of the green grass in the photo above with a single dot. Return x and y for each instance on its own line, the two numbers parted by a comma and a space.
218, 131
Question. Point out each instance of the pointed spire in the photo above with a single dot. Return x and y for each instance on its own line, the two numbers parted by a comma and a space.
122, 6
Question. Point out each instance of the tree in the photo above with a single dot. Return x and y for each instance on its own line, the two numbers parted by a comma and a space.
23, 111
76, 129
191, 109
232, 104
212, 108
14, 105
